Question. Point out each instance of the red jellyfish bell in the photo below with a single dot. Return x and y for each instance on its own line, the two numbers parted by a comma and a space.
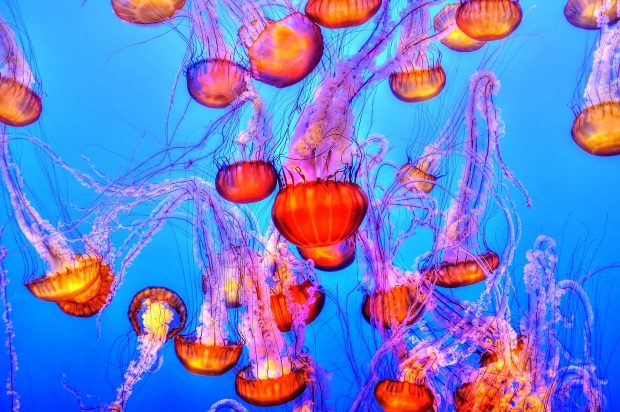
319, 213
301, 295
146, 11
396, 396
338, 14
455, 39
215, 83
420, 83
270, 391
582, 13
19, 105
488, 19
246, 181
464, 272
205, 359
286, 51
389, 308
597, 129
90, 302
330, 258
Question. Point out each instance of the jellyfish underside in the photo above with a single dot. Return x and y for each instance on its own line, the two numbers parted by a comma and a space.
455, 39
403, 396
418, 84
389, 309
206, 359
330, 258
270, 391
301, 295
463, 272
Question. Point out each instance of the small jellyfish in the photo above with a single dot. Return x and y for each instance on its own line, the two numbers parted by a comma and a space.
215, 83
487, 20
415, 178
270, 391
454, 38
286, 51
418, 83
338, 14
404, 396
463, 272
146, 11
389, 308
588, 14
304, 294
156, 315
319, 213
246, 181
330, 258
205, 358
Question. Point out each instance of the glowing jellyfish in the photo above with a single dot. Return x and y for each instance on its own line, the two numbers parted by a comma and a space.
215, 83
596, 129
415, 178
389, 308
286, 51
270, 391
418, 84
305, 294
156, 315
246, 181
204, 358
330, 258
338, 14
487, 20
146, 11
589, 14
92, 300
464, 272
454, 38
319, 213
19, 104
403, 396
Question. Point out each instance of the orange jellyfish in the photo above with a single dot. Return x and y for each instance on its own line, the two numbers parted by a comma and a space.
338, 14
416, 178
596, 129
330, 258
204, 358
146, 11
246, 181
487, 20
463, 272
422, 81
215, 83
270, 391
319, 213
304, 294
389, 308
584, 13
156, 315
92, 300
403, 396
286, 51
455, 38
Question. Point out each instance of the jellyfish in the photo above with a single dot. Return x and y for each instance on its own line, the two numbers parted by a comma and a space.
215, 81
20, 105
156, 315
146, 11
339, 14
591, 14
404, 396
454, 38
330, 258
487, 20
246, 181
596, 129
415, 178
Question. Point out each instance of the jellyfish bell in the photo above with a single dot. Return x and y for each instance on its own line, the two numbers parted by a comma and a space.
246, 181
596, 129
463, 272
92, 300
583, 13
404, 396
215, 83
389, 308
286, 51
415, 178
146, 11
319, 213
19, 105
330, 258
144, 319
487, 20
270, 391
301, 295
69, 280
455, 39
418, 83
204, 358
339, 14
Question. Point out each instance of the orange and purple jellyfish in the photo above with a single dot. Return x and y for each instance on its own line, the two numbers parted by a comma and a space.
20, 105
147, 11
156, 315
330, 258
596, 128
451, 35
487, 20
338, 14
591, 14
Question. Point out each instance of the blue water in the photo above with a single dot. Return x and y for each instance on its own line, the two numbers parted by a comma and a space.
108, 87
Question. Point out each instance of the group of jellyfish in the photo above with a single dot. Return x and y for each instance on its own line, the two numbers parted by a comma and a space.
339, 201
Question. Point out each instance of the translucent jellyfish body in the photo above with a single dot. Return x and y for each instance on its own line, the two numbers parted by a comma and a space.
246, 181
146, 11
596, 129
338, 14
487, 20
330, 258
215, 83
583, 13
19, 105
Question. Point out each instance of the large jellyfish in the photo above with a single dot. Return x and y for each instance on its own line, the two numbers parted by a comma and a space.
487, 20
591, 14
